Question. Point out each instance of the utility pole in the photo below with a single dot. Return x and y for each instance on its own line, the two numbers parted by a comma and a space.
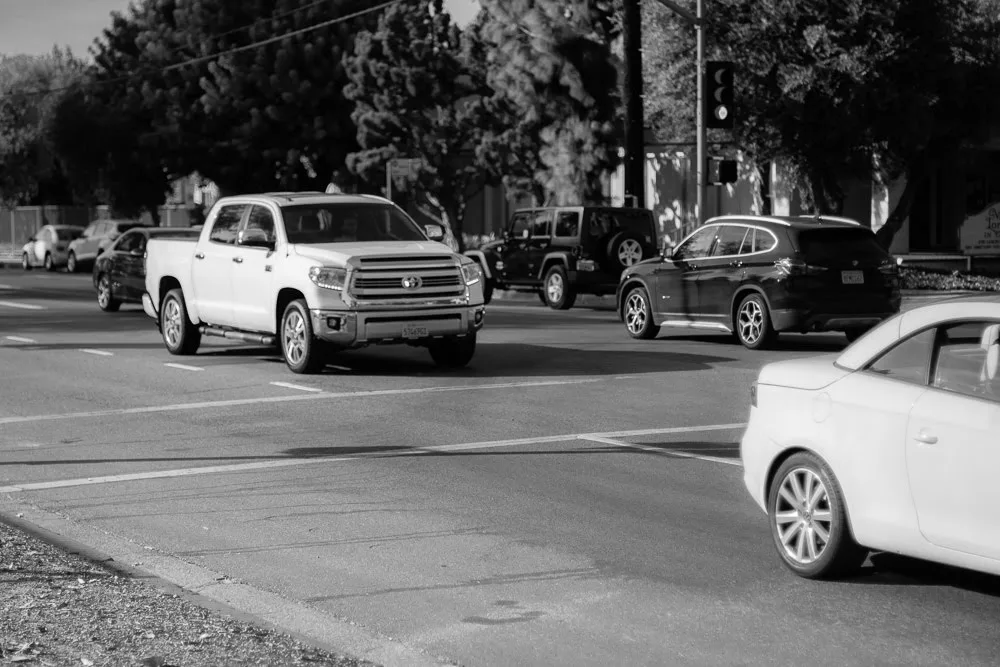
635, 126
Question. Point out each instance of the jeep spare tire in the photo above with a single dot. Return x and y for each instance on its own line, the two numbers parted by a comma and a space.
625, 249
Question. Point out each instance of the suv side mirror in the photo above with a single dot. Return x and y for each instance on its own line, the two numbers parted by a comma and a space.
255, 238
434, 232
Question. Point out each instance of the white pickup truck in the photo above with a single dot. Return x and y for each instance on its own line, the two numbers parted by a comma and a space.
313, 273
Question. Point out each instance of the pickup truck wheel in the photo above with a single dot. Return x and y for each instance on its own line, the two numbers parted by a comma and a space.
303, 352
105, 299
453, 352
180, 335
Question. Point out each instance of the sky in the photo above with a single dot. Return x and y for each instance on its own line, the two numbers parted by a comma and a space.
34, 26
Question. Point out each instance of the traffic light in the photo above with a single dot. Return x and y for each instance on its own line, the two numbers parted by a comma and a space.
722, 172
719, 95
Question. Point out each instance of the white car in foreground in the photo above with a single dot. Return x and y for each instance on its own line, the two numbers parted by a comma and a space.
893, 445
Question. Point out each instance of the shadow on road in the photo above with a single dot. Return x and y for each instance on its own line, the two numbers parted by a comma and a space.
894, 570
722, 450
785, 343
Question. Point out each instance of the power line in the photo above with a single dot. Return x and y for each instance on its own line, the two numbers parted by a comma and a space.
227, 52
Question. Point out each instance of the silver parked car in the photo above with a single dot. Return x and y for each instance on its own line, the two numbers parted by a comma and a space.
49, 247
96, 238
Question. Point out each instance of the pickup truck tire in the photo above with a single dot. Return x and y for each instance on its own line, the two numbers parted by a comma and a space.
180, 335
453, 352
303, 352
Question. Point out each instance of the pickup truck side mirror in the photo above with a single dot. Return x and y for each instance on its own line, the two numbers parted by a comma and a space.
434, 232
255, 238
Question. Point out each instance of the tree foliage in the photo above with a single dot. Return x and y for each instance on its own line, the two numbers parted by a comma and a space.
556, 92
418, 92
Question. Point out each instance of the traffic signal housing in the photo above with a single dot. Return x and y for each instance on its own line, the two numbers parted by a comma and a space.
719, 94
722, 171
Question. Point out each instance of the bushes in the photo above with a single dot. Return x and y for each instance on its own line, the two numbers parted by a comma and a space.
928, 279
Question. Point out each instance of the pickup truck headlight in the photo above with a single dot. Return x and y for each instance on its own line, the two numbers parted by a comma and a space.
471, 273
328, 278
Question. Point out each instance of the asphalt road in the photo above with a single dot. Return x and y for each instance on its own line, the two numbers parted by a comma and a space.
574, 497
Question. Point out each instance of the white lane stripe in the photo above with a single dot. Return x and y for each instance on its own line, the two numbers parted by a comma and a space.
19, 339
660, 450
208, 405
23, 306
262, 465
6, 287
184, 367
100, 353
289, 385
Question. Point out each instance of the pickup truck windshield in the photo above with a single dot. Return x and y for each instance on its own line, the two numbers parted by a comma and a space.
348, 223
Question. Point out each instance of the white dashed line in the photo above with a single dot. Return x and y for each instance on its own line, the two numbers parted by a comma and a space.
289, 385
6, 287
22, 306
100, 353
19, 339
467, 446
184, 367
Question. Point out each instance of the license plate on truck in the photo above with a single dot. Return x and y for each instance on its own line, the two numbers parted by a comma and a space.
411, 331
852, 277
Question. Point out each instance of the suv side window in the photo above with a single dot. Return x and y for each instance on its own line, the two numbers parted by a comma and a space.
568, 224
128, 242
909, 360
520, 223
227, 223
747, 247
541, 225
763, 242
730, 240
697, 246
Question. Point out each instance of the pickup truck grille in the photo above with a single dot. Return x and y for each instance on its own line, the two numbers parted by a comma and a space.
406, 278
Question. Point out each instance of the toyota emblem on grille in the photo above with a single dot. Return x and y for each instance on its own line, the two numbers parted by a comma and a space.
412, 282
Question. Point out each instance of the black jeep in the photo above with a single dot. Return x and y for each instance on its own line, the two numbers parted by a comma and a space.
561, 251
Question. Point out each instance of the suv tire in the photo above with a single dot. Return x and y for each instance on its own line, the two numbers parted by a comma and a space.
638, 315
752, 323
557, 293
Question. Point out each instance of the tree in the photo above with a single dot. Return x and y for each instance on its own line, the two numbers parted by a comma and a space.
556, 87
30, 89
416, 95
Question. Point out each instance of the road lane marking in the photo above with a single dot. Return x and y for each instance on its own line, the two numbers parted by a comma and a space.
100, 353
23, 306
660, 450
6, 287
376, 453
210, 405
184, 367
289, 385
19, 339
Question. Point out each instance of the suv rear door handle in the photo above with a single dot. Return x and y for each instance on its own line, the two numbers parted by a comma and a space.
238, 260
199, 255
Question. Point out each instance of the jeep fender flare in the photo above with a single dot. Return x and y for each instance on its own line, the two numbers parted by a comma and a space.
484, 264
551, 258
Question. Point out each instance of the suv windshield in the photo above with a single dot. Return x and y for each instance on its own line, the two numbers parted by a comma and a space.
347, 223
605, 222
838, 244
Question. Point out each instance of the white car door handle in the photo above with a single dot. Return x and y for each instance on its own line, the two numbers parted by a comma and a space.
926, 438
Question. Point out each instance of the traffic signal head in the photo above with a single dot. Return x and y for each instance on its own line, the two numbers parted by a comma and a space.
719, 95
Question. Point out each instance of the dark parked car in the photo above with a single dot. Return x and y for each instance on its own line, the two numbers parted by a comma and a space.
94, 240
561, 251
755, 276
120, 271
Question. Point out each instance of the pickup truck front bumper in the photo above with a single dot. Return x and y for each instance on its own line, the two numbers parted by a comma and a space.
378, 327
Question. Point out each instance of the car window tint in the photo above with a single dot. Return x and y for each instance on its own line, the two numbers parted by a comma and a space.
261, 219
698, 245
127, 242
520, 223
541, 225
763, 241
964, 363
908, 360
568, 224
227, 223
747, 246
840, 245
730, 240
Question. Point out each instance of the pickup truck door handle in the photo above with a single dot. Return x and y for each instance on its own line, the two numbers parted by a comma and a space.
238, 260
926, 437
199, 255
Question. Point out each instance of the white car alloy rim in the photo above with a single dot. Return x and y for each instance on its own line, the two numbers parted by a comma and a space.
751, 322
295, 337
71, 264
629, 252
104, 292
803, 516
635, 313
555, 287
172, 322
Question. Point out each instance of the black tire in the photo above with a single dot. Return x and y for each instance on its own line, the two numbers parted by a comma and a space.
638, 315
752, 323
49, 264
454, 352
303, 352
487, 289
615, 249
180, 335
557, 293
837, 556
71, 265
106, 300
25, 262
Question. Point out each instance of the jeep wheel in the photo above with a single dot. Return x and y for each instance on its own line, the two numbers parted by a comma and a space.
639, 315
625, 250
453, 352
180, 335
556, 290
303, 352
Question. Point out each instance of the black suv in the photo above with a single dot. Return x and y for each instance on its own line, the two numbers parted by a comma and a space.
754, 276
561, 251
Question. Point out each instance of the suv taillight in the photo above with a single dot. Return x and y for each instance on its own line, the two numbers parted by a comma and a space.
889, 267
791, 266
